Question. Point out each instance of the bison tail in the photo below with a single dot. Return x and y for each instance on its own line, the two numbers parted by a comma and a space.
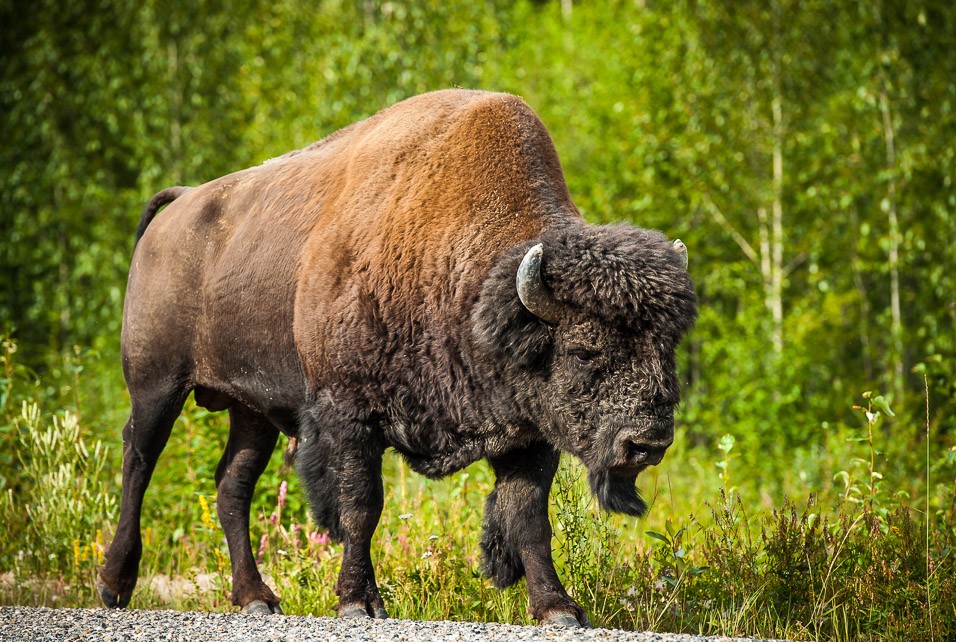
164, 197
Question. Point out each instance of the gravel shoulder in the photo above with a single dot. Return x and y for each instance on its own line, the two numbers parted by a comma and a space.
103, 625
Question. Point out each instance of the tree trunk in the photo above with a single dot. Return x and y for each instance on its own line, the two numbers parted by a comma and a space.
860, 285
775, 250
889, 205
776, 272
566, 6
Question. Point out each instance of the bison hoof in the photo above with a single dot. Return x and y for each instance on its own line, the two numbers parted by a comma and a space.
564, 619
260, 607
360, 611
353, 611
111, 599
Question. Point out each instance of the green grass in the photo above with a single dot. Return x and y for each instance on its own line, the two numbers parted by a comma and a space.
838, 541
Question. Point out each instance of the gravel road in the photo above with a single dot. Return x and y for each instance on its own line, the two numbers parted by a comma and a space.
102, 625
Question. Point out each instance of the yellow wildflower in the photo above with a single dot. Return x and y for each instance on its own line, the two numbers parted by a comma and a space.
206, 516
99, 547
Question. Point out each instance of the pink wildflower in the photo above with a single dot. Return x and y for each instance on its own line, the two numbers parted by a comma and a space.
283, 489
262, 547
318, 540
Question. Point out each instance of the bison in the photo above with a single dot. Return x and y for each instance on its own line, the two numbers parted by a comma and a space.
419, 280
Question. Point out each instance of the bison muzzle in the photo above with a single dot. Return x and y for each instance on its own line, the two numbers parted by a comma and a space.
420, 280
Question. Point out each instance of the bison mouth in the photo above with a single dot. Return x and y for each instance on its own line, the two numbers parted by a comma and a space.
616, 491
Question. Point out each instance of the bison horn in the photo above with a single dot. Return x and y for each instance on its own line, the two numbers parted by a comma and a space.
532, 291
681, 249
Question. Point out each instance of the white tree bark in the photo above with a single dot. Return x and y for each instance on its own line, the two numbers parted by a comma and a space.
889, 205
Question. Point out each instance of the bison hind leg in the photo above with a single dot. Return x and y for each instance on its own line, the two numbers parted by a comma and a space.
502, 563
155, 408
252, 438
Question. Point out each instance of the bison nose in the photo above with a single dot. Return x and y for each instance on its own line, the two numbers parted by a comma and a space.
645, 452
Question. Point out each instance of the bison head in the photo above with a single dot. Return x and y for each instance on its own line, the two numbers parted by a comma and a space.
587, 337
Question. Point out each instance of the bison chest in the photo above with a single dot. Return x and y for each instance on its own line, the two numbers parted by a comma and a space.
433, 449
437, 449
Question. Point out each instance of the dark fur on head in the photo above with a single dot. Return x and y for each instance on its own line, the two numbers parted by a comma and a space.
625, 276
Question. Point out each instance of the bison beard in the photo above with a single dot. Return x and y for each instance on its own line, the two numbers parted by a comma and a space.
617, 493
422, 281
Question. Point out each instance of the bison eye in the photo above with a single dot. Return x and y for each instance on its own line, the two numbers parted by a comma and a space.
584, 355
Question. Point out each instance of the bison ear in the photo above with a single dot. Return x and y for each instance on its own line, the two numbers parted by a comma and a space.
509, 331
531, 348
503, 326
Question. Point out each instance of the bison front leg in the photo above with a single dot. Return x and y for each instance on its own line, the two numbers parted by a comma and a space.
517, 534
340, 464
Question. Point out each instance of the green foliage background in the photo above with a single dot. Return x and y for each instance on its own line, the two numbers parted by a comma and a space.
805, 151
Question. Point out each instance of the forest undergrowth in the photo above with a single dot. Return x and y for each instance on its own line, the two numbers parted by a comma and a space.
736, 543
